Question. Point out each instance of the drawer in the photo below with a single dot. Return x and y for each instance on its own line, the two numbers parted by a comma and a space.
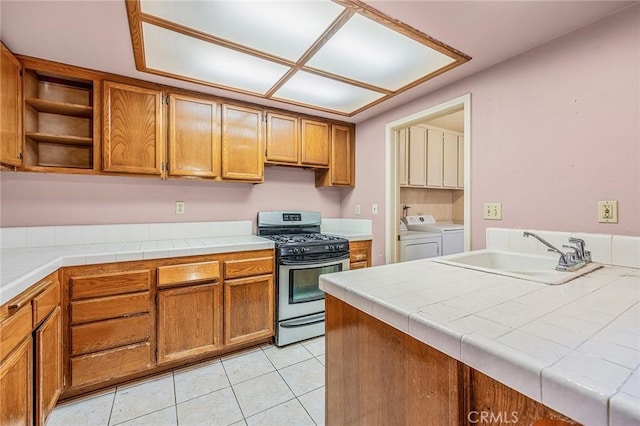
103, 335
358, 265
248, 267
111, 364
14, 329
189, 273
110, 284
46, 302
103, 308
358, 254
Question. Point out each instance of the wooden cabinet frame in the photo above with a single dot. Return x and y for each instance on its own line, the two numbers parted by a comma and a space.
195, 283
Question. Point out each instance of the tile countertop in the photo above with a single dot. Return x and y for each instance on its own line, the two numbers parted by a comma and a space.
351, 229
24, 260
574, 347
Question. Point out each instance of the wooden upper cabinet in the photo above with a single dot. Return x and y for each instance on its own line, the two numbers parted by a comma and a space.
342, 157
342, 166
315, 143
242, 147
194, 137
133, 132
283, 138
10, 108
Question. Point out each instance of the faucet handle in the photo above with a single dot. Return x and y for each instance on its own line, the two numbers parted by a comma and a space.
574, 257
580, 253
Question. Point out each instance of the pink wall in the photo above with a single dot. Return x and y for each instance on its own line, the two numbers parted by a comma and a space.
554, 130
31, 199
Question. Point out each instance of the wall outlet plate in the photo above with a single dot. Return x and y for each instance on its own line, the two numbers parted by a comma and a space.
357, 209
374, 208
608, 211
493, 211
179, 207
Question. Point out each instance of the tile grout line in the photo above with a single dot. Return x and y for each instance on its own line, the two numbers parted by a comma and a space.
287, 383
244, 418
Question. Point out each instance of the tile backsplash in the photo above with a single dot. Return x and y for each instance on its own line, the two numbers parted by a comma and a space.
619, 250
43, 236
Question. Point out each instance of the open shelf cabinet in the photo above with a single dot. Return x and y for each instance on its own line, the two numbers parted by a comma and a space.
59, 121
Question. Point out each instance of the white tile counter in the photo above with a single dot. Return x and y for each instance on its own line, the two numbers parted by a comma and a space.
574, 347
30, 254
351, 229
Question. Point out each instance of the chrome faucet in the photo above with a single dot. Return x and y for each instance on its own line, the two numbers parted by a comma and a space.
567, 261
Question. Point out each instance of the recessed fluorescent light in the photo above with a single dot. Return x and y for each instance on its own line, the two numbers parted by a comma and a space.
309, 89
340, 56
181, 55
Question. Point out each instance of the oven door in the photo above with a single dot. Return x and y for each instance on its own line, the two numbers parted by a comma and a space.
298, 286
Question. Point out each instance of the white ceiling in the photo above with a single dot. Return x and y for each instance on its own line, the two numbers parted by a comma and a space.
95, 34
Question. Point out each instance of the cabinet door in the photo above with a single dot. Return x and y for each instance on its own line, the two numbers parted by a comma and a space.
48, 362
341, 156
133, 140
248, 309
194, 137
189, 321
242, 151
434, 158
417, 156
360, 253
283, 138
450, 161
315, 143
16, 386
10, 108
403, 158
460, 161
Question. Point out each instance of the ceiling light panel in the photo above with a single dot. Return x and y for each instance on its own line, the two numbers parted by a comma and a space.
285, 29
181, 55
366, 51
313, 90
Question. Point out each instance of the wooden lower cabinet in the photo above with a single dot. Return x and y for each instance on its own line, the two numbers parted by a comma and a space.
127, 320
31, 354
248, 309
376, 374
359, 254
16, 386
189, 321
48, 365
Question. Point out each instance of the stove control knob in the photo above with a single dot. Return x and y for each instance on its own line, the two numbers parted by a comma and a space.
295, 250
332, 248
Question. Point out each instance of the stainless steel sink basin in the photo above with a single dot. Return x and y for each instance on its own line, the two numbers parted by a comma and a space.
517, 265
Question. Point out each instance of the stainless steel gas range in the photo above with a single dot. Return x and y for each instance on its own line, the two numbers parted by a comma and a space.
302, 255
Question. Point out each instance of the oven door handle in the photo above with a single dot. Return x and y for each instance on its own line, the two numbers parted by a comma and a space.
314, 262
302, 322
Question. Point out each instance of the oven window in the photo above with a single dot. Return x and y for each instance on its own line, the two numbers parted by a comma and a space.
303, 283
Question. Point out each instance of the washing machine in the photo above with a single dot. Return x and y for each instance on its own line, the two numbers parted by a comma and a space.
416, 245
452, 234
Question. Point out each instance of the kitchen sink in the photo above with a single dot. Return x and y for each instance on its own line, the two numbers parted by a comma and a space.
517, 265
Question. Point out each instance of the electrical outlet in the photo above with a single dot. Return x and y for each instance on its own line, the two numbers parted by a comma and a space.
179, 207
357, 209
608, 211
493, 211
374, 208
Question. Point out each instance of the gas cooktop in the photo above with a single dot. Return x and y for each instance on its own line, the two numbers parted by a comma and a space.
282, 239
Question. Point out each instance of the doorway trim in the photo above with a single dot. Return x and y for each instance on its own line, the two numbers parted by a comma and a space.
391, 172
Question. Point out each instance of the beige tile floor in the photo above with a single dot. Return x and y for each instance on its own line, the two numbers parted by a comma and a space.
265, 385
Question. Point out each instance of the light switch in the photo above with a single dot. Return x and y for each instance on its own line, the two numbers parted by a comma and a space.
493, 211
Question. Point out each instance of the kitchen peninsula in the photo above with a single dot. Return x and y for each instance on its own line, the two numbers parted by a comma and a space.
422, 342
